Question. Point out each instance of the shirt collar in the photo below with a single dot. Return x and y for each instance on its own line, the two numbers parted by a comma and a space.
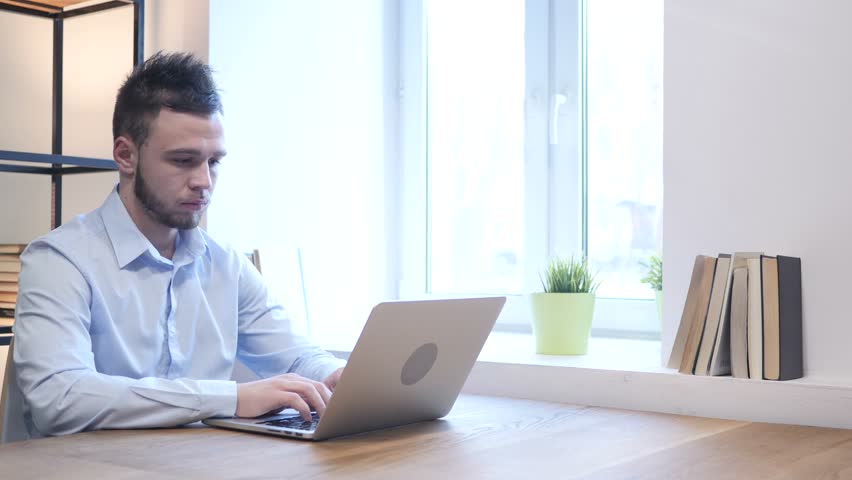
129, 243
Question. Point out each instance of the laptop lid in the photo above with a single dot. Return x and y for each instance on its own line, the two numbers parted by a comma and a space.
409, 364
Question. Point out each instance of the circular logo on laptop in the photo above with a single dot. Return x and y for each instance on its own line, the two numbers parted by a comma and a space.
419, 364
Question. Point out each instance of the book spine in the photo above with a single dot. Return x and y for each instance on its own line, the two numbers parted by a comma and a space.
790, 362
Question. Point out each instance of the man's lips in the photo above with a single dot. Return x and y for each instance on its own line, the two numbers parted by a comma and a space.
195, 204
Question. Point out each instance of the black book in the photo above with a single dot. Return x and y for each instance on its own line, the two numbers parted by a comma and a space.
790, 361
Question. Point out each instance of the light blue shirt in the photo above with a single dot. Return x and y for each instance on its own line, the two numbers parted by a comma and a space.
110, 334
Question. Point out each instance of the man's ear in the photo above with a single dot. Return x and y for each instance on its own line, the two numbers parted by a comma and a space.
126, 155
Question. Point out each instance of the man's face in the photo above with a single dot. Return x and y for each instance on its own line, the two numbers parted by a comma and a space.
178, 166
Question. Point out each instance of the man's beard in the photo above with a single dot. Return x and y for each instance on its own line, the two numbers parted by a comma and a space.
157, 210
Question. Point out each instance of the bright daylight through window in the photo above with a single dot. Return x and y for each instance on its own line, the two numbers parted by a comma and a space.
541, 135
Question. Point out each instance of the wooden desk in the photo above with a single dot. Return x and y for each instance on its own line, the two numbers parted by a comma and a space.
483, 437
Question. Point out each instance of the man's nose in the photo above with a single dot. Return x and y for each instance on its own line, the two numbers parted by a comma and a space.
201, 179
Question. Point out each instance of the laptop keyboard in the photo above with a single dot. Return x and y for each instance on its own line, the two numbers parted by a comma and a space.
296, 422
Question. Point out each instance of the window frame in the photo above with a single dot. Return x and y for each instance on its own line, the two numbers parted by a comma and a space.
555, 154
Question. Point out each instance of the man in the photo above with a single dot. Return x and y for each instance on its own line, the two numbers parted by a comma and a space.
131, 316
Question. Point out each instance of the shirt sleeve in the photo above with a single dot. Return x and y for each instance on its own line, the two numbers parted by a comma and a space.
267, 345
56, 368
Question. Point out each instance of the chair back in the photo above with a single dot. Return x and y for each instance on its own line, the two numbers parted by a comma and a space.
12, 425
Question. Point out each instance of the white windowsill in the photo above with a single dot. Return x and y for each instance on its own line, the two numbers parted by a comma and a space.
603, 353
628, 374
519, 348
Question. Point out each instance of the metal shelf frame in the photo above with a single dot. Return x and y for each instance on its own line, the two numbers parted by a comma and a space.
59, 164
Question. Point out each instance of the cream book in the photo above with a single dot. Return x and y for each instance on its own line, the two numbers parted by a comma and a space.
769, 278
714, 309
739, 323
755, 320
720, 361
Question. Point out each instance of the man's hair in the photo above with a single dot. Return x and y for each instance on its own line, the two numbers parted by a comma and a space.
177, 81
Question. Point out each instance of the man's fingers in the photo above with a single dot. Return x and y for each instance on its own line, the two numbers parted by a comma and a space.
295, 401
324, 391
315, 396
332, 380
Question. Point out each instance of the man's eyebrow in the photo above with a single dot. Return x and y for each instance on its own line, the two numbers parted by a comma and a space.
193, 151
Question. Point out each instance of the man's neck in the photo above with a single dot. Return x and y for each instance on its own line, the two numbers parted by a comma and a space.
162, 237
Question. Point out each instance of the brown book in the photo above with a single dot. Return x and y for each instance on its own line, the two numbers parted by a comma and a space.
13, 248
8, 297
698, 314
7, 305
689, 309
769, 280
739, 323
9, 287
10, 263
9, 277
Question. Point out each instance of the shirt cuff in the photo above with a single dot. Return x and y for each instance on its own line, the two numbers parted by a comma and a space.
218, 398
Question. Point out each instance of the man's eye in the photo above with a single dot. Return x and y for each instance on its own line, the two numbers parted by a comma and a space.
182, 161
213, 162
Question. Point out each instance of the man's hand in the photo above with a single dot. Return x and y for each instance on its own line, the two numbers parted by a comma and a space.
288, 390
332, 380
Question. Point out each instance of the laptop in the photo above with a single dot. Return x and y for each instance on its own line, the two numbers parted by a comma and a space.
408, 366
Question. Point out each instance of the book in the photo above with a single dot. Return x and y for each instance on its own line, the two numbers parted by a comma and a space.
739, 323
10, 263
696, 330
694, 311
7, 312
8, 297
790, 349
755, 320
13, 248
6, 324
714, 311
771, 344
7, 305
9, 287
9, 277
720, 360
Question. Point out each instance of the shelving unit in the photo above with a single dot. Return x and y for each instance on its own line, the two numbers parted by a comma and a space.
56, 164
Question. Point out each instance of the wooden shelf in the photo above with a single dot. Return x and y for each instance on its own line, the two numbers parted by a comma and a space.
53, 8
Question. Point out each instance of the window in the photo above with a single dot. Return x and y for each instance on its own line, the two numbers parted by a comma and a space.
531, 129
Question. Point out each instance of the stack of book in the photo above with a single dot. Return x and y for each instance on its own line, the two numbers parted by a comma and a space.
10, 267
742, 317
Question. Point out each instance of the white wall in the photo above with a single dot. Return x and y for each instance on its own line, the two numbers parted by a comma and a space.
304, 96
98, 56
758, 113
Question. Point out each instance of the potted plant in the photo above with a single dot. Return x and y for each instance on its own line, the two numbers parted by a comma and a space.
654, 278
562, 314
